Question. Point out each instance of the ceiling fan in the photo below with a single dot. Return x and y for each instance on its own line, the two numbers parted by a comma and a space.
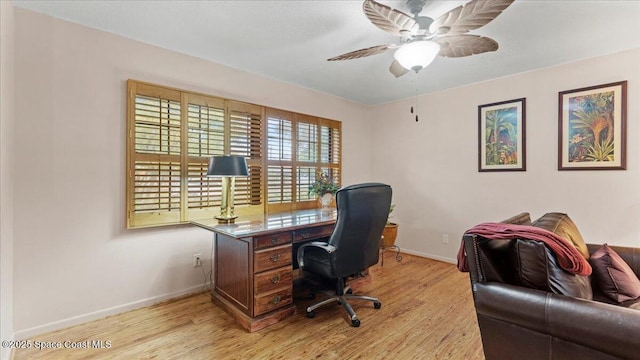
423, 38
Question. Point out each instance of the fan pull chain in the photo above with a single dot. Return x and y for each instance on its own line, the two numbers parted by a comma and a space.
415, 102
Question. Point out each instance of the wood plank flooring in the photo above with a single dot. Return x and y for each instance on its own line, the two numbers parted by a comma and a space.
427, 313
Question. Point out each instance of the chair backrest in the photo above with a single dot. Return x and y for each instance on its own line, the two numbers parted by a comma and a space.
363, 210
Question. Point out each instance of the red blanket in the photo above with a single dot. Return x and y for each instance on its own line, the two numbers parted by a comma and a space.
569, 258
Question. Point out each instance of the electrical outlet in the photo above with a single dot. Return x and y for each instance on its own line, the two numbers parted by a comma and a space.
197, 260
445, 238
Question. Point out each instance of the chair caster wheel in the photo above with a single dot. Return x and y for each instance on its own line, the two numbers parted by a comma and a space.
377, 305
355, 322
311, 314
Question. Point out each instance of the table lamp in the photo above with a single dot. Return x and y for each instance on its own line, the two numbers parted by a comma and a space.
228, 166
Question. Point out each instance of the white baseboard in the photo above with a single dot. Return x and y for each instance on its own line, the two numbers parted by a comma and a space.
430, 256
80, 319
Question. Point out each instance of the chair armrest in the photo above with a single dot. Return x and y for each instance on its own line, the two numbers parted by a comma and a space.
629, 254
603, 327
318, 244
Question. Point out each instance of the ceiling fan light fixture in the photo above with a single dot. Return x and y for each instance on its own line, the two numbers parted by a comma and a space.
417, 55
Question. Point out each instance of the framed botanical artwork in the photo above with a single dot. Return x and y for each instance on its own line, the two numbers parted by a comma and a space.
592, 128
501, 136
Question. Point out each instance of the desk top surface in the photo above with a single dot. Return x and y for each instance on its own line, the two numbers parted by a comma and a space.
254, 225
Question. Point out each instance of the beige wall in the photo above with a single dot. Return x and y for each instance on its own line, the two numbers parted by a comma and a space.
74, 260
6, 173
432, 164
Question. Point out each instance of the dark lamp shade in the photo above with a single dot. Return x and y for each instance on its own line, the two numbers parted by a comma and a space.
230, 165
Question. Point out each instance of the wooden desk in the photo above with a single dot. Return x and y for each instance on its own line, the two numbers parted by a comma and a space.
254, 260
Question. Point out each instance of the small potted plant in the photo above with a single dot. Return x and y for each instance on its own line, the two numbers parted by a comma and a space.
324, 188
390, 231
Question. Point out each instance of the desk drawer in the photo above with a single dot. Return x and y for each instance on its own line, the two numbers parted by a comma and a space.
272, 280
272, 240
314, 232
271, 301
271, 258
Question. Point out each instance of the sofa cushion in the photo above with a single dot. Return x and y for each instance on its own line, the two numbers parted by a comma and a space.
613, 276
493, 255
536, 267
563, 226
631, 304
520, 219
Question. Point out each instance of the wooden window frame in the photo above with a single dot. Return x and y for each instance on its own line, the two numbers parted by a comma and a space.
190, 167
333, 165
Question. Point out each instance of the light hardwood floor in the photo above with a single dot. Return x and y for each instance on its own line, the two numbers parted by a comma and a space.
427, 313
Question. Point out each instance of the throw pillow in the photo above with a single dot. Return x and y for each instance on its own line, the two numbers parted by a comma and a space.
613, 275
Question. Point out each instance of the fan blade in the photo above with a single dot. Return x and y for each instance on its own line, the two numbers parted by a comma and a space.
465, 45
396, 69
388, 19
363, 52
470, 16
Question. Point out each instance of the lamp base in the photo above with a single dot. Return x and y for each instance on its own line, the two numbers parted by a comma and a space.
226, 219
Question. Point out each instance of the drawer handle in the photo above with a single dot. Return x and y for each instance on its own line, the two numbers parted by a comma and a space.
275, 279
274, 240
305, 235
275, 257
275, 300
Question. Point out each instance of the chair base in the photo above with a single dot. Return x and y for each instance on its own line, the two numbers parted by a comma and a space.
342, 300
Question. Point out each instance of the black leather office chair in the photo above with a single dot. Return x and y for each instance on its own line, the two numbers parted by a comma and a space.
353, 247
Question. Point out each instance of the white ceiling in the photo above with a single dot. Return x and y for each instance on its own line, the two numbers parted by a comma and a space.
291, 40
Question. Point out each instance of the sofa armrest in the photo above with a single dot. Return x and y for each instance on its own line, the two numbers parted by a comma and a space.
629, 254
556, 319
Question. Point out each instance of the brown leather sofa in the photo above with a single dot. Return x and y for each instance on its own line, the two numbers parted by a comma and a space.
556, 315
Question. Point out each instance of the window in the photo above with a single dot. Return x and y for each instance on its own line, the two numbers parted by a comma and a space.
173, 133
299, 147
155, 164
279, 157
